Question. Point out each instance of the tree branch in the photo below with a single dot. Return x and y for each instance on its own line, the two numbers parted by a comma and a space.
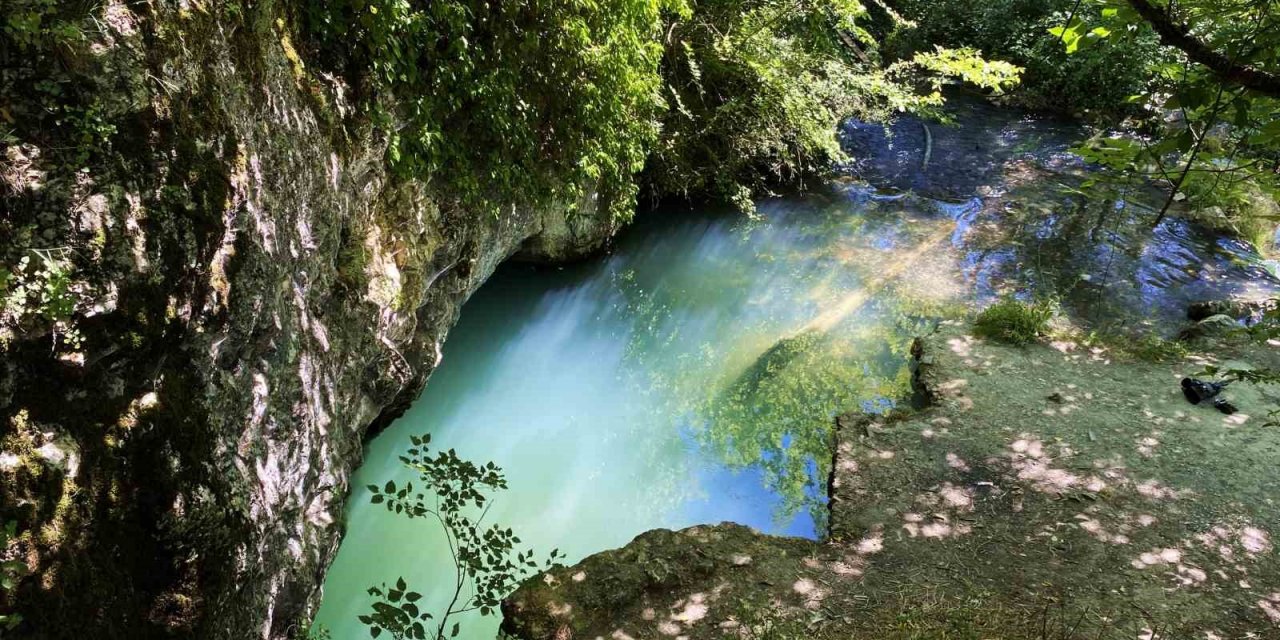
1179, 36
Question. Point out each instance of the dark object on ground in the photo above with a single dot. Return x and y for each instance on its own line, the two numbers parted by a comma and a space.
1224, 405
1198, 391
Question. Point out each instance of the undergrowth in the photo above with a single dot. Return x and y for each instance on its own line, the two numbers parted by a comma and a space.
1014, 322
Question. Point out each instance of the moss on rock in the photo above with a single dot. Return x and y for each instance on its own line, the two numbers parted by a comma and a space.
251, 290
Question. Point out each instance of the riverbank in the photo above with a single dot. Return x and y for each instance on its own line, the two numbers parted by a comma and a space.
1053, 491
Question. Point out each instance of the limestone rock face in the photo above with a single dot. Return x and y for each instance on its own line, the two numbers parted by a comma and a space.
250, 290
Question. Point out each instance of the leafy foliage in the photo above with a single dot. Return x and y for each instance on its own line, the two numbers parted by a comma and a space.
46, 108
1091, 79
1263, 376
757, 87
1013, 321
39, 94
537, 102
1266, 328
41, 291
508, 100
30, 22
487, 563
1212, 142
11, 571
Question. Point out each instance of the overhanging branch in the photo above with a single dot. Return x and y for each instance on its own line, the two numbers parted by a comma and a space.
1179, 35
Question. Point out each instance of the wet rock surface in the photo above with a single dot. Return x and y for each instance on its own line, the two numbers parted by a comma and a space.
252, 290
1248, 311
1057, 487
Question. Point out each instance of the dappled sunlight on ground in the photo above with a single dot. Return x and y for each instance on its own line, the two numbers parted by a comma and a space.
1147, 446
1031, 463
1270, 605
1032, 484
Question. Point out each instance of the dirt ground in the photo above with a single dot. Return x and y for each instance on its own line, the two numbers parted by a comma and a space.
1057, 491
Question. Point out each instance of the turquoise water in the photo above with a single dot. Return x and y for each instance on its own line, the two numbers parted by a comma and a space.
692, 375
612, 392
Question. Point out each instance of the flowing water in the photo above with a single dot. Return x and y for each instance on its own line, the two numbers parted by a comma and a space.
693, 374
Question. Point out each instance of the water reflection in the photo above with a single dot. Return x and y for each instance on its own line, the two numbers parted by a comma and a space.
1100, 254
693, 375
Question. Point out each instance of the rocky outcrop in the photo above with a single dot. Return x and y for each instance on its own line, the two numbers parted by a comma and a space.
245, 291
1248, 311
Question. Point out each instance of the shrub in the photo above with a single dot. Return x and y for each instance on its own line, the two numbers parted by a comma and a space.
1093, 79
506, 101
1013, 321
532, 102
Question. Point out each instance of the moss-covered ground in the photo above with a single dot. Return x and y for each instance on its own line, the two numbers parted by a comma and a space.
1055, 491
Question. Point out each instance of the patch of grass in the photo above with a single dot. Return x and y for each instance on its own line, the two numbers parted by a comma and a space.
1156, 349
1146, 347
1013, 321
352, 261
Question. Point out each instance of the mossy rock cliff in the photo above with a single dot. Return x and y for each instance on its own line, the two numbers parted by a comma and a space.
224, 288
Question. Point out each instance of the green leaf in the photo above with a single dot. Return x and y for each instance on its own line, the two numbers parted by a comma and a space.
1268, 134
